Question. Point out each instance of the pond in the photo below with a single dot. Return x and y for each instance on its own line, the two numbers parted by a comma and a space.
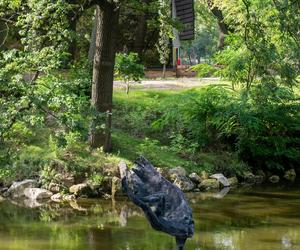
250, 219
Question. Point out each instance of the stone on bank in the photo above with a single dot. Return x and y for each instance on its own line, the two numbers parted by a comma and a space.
60, 197
290, 175
195, 178
233, 181
173, 173
274, 179
17, 189
221, 178
209, 184
184, 183
37, 193
81, 190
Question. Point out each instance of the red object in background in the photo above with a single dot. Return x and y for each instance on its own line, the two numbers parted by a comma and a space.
178, 61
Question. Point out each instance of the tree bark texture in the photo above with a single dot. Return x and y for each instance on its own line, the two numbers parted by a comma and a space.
140, 35
3, 34
73, 45
102, 87
223, 27
93, 38
164, 71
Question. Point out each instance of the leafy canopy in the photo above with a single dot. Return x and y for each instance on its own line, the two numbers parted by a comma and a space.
265, 43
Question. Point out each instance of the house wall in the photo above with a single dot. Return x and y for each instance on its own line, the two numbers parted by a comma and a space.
183, 10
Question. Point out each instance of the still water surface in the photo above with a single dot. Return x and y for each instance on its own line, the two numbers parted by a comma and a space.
261, 219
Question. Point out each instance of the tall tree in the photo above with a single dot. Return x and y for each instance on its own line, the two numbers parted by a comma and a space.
223, 27
106, 22
46, 32
165, 33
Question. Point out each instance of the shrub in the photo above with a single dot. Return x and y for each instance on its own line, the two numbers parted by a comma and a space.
260, 125
266, 127
25, 164
192, 116
204, 70
128, 68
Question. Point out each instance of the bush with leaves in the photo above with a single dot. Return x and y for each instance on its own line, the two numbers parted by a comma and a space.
165, 32
204, 70
58, 106
192, 115
261, 126
128, 68
265, 125
264, 46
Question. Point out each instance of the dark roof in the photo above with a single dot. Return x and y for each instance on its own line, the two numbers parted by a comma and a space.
185, 14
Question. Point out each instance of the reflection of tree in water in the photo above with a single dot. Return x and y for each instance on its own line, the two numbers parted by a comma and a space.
68, 225
236, 222
224, 241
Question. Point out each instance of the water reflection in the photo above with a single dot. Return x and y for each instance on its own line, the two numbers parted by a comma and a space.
224, 241
254, 220
286, 242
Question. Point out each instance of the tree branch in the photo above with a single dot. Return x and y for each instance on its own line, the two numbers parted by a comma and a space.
6, 35
28, 106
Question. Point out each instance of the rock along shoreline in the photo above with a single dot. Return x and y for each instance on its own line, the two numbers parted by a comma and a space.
34, 192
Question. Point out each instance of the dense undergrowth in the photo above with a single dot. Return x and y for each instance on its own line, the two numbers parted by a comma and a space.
212, 128
259, 128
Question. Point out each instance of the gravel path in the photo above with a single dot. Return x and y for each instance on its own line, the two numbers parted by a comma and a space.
179, 83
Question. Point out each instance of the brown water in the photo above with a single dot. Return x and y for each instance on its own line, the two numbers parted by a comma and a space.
259, 219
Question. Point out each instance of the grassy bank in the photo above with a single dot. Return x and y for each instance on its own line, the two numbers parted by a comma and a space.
211, 128
138, 130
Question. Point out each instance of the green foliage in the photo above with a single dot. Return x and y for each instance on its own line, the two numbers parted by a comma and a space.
238, 65
136, 114
261, 127
128, 68
43, 30
159, 124
206, 34
165, 31
25, 164
44, 35
262, 124
263, 46
192, 116
204, 70
96, 178
160, 155
265, 126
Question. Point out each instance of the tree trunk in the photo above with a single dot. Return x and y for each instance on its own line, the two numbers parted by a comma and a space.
190, 58
93, 39
102, 88
223, 27
164, 71
140, 36
127, 87
3, 34
72, 44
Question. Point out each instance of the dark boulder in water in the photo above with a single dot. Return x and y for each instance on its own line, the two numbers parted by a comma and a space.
163, 203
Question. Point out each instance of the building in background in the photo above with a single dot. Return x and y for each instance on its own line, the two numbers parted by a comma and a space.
182, 10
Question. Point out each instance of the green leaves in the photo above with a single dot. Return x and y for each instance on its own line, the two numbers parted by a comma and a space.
260, 125
263, 44
165, 30
128, 68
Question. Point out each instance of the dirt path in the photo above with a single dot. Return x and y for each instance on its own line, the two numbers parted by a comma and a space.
179, 83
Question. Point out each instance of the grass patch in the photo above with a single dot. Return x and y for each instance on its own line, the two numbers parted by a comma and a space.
130, 147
